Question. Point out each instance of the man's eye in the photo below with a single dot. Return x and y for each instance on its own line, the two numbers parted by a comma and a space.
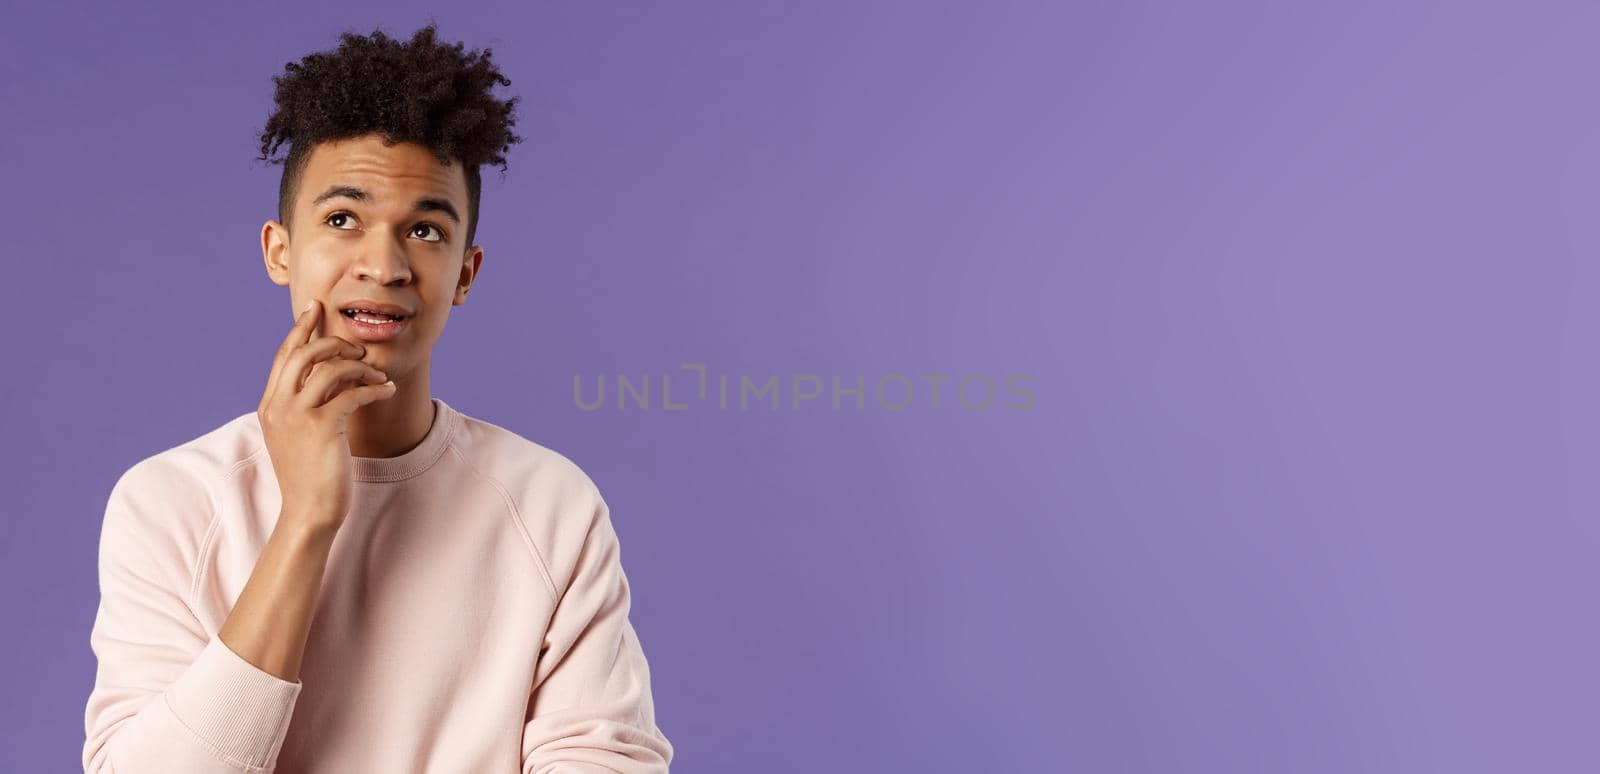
436, 230
344, 215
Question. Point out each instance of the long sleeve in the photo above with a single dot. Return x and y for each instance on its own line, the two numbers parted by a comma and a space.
591, 710
167, 696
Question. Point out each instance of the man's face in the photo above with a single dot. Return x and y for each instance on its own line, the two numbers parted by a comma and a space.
373, 223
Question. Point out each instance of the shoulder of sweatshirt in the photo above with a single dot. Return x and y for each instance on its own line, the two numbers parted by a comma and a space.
555, 502
165, 503
202, 462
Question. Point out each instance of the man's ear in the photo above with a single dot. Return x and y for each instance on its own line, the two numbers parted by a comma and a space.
470, 264
275, 251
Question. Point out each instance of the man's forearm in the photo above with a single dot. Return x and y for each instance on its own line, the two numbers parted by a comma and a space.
269, 623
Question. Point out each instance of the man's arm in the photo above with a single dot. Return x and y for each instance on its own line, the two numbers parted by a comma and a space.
270, 621
167, 697
591, 709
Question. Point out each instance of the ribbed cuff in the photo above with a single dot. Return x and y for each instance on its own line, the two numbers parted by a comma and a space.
236, 707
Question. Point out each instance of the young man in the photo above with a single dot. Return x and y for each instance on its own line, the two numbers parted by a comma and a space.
357, 577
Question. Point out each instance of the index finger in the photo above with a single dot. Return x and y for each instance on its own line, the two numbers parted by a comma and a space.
304, 326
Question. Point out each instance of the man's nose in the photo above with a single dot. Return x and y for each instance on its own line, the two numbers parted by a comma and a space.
383, 263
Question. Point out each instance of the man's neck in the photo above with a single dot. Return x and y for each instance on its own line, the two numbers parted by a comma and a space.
394, 425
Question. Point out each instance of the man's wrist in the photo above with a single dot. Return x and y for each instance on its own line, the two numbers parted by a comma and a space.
309, 527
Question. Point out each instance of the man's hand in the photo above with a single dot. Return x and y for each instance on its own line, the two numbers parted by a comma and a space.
315, 384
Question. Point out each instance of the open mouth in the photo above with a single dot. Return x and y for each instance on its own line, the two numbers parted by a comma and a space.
372, 318
372, 326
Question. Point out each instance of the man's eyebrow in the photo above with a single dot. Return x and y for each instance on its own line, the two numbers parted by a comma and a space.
424, 204
431, 204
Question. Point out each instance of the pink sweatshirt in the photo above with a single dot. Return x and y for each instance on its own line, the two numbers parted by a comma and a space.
473, 618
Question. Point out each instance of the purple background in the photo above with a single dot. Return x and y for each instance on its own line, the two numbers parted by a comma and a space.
1306, 293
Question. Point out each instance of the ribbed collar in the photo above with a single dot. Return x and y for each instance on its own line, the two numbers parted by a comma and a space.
420, 457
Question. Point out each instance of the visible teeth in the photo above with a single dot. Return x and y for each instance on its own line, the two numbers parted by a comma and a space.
370, 317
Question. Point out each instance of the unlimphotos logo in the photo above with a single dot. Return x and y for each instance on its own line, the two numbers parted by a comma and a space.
742, 392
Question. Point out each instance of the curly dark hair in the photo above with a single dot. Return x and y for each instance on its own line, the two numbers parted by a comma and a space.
420, 91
